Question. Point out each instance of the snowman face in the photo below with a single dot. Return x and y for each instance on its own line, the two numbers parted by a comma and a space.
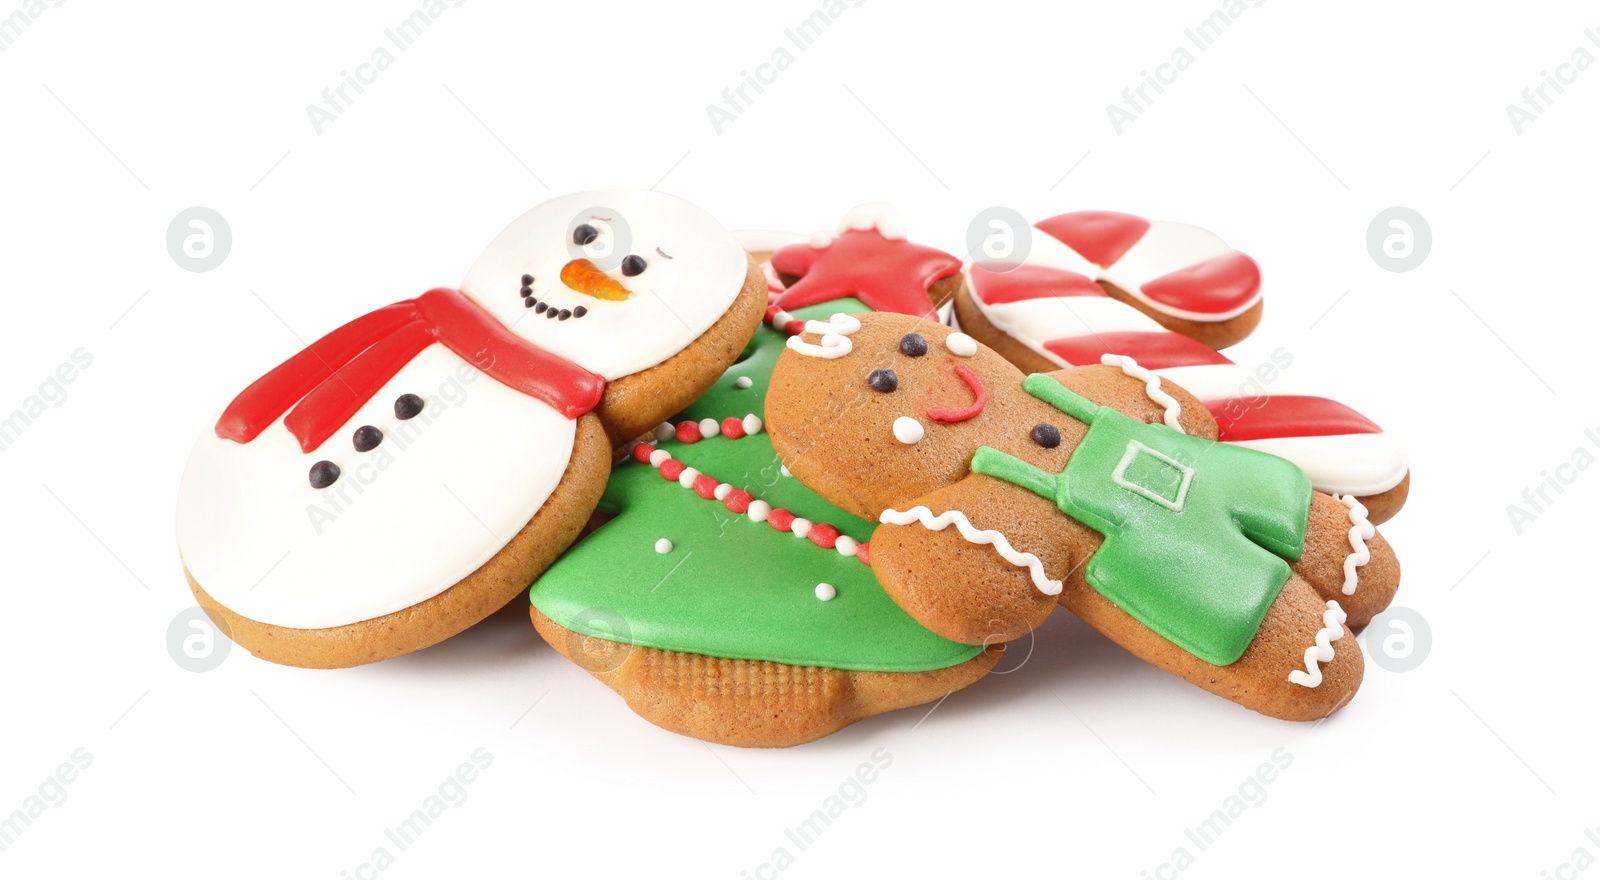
616, 281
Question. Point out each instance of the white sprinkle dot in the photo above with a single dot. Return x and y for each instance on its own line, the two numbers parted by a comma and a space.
664, 431
663, 546
686, 479
784, 469
781, 319
758, 510
846, 545
961, 344
659, 456
826, 592
907, 430
801, 527
709, 428
743, 382
722, 491
752, 424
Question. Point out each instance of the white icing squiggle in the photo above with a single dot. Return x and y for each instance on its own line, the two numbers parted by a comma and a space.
1152, 386
1332, 630
974, 535
835, 337
1361, 531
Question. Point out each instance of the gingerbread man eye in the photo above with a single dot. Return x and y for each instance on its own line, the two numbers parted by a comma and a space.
913, 345
633, 264
584, 234
883, 380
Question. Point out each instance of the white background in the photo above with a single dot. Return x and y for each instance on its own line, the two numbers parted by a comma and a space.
1287, 136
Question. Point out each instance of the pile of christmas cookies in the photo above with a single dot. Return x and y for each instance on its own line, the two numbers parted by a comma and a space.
766, 485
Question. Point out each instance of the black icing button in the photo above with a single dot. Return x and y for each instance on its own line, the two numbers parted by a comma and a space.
552, 313
367, 438
526, 290
883, 380
1047, 436
565, 314
529, 302
527, 280
584, 234
579, 312
632, 265
323, 473
913, 345
406, 406
540, 308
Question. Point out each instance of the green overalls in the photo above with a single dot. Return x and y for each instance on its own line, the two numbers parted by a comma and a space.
1196, 532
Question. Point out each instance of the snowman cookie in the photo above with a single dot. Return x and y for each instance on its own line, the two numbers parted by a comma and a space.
1168, 295
723, 599
413, 470
1099, 488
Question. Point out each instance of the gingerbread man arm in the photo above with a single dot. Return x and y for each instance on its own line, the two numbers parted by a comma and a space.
979, 562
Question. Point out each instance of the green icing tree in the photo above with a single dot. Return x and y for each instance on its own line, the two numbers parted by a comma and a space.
729, 586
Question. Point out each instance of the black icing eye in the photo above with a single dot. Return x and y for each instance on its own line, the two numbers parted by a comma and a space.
633, 264
883, 380
913, 345
584, 234
1048, 436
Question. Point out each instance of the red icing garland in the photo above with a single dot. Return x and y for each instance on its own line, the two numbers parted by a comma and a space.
333, 377
888, 275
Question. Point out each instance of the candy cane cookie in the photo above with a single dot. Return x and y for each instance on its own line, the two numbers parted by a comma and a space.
1058, 307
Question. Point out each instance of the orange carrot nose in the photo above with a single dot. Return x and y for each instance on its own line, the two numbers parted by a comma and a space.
585, 277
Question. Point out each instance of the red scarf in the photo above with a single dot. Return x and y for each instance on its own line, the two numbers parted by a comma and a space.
333, 377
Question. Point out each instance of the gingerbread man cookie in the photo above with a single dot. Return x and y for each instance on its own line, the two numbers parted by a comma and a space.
724, 600
413, 470
1100, 488
1169, 294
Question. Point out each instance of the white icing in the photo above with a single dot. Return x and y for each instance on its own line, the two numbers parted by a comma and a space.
757, 241
822, 238
1211, 382
846, 545
1033, 322
1321, 652
1170, 407
908, 430
1361, 531
1343, 464
784, 469
1165, 248
664, 431
781, 319
751, 424
826, 592
973, 535
835, 337
722, 491
875, 215
686, 477
436, 499
673, 301
801, 527
709, 428
663, 546
742, 382
659, 456
961, 345
758, 510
